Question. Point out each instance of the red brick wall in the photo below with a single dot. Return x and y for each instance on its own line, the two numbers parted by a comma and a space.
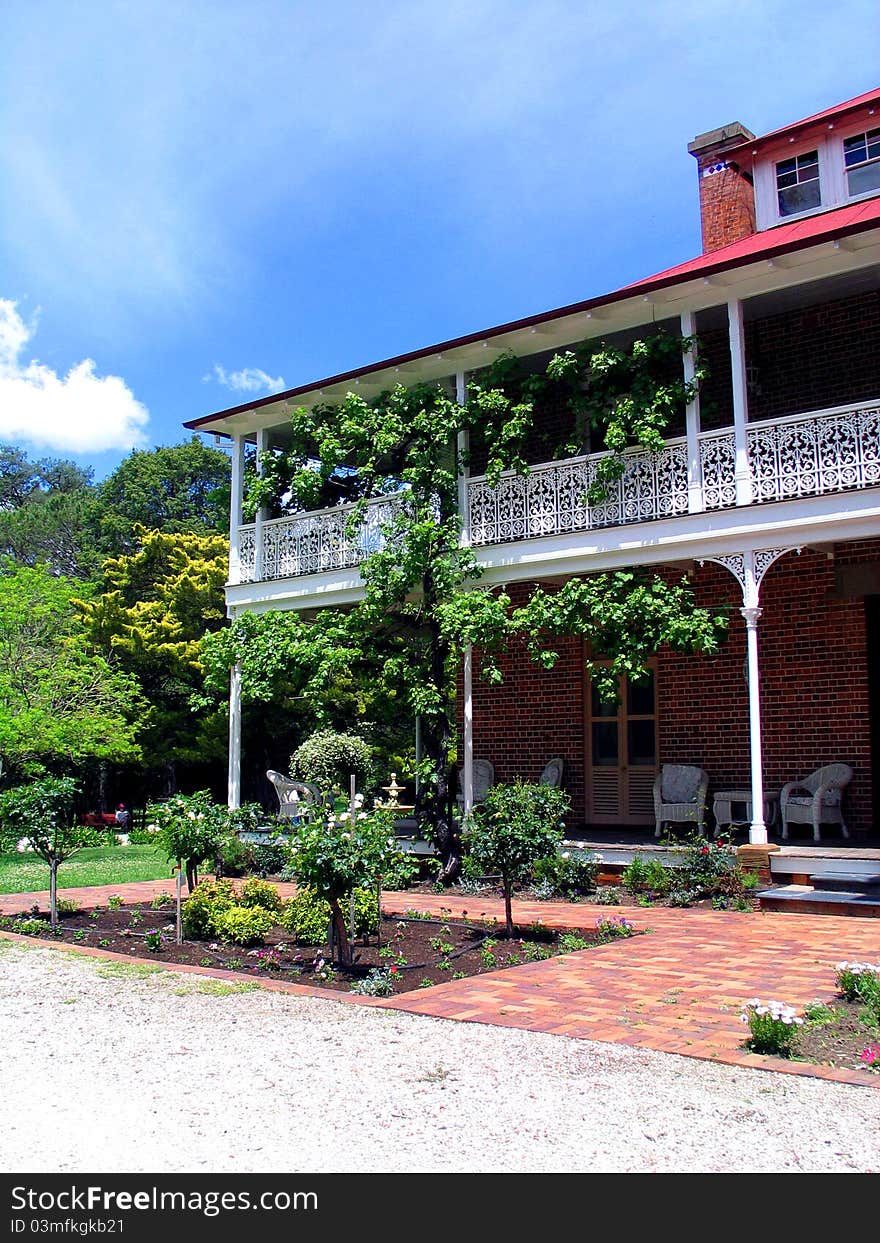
814, 691
807, 359
533, 716
727, 203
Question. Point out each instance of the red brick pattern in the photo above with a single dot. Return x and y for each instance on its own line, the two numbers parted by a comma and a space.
677, 989
727, 204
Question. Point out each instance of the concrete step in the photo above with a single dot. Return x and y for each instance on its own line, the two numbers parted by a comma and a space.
793, 898
848, 882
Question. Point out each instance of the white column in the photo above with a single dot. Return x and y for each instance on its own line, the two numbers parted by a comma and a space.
692, 418
234, 781
236, 494
757, 829
739, 383
468, 713
262, 447
462, 446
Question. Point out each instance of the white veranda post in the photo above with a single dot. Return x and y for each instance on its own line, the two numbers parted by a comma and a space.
234, 781
749, 568
468, 669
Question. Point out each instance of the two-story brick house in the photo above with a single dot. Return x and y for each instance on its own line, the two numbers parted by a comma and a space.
767, 495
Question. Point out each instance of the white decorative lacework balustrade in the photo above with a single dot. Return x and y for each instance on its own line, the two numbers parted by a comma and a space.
802, 455
552, 499
808, 455
314, 542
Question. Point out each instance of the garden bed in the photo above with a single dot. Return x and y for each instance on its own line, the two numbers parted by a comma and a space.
410, 951
836, 1034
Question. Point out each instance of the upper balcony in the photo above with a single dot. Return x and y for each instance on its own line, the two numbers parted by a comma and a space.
819, 454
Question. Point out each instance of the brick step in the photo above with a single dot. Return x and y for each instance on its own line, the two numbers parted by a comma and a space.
795, 898
847, 882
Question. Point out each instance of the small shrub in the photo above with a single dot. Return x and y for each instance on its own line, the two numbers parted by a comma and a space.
114, 902
307, 915
243, 925
30, 927
265, 960
749, 881
647, 876
327, 759
570, 942
162, 900
682, 896
143, 837
67, 906
200, 910
773, 1027
818, 1013
232, 856
608, 895
860, 981
259, 893
379, 983
571, 874
154, 941
271, 858
80, 935
710, 868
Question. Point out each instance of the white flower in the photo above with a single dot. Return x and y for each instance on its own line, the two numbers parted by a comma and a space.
565, 854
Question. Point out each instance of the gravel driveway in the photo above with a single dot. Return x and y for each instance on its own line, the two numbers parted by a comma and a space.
107, 1072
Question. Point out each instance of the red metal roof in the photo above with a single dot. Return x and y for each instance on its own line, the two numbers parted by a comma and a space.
767, 244
829, 114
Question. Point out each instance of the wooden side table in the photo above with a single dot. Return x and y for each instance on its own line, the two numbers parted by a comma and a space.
727, 803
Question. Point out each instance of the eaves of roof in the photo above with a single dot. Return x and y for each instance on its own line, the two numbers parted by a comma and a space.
795, 235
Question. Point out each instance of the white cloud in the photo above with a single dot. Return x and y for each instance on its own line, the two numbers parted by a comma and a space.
80, 412
248, 380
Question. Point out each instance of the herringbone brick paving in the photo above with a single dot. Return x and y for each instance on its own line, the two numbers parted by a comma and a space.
678, 989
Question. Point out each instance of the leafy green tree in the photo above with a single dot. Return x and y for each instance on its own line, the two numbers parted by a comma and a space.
148, 621
43, 814
48, 513
173, 488
60, 706
513, 828
420, 609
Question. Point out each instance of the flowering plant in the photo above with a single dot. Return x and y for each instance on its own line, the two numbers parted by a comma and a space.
609, 927
871, 1056
772, 1025
154, 941
858, 981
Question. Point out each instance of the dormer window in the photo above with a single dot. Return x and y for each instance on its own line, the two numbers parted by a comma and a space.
797, 184
861, 158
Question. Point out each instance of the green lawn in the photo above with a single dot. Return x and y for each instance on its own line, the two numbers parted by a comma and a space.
100, 865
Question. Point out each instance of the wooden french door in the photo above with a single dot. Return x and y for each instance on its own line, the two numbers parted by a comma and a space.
621, 757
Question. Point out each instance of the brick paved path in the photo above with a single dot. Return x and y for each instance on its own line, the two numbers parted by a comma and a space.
678, 989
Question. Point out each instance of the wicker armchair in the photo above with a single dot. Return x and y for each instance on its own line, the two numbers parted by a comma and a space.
293, 796
484, 779
553, 772
680, 796
816, 800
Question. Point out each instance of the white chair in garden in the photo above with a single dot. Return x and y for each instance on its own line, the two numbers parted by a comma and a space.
484, 779
680, 796
293, 796
816, 800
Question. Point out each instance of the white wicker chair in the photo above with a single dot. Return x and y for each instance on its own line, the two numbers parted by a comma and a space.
553, 772
680, 796
816, 800
484, 779
293, 796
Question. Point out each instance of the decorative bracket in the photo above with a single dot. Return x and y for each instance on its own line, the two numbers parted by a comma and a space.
749, 569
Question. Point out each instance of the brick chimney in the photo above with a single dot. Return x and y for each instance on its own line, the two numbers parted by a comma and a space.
727, 196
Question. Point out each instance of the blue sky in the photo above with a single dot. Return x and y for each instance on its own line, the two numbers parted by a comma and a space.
199, 197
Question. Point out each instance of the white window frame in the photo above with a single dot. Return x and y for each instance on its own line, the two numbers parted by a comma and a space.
871, 123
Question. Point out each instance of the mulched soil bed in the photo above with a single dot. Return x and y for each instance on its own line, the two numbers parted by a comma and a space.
418, 951
605, 895
839, 1042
